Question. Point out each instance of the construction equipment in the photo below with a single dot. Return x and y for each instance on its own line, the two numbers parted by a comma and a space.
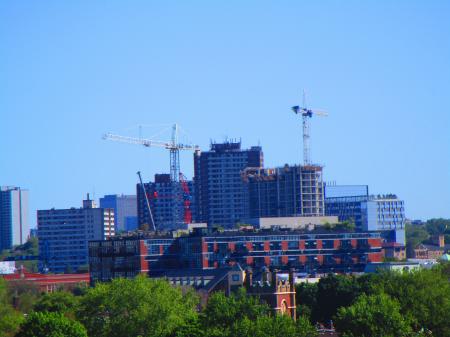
173, 146
146, 200
306, 115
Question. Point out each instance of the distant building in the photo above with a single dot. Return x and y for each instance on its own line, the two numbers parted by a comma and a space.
288, 191
393, 266
433, 250
368, 212
64, 234
125, 210
14, 225
298, 222
220, 193
310, 252
48, 283
166, 202
394, 250
277, 292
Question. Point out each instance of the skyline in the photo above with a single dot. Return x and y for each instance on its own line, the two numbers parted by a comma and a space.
76, 71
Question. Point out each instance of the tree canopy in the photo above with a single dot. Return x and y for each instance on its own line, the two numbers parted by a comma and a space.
50, 324
140, 307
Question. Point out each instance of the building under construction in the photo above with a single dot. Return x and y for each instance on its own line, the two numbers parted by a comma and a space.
170, 202
285, 191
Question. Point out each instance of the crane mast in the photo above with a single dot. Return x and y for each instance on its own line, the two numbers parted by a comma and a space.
306, 116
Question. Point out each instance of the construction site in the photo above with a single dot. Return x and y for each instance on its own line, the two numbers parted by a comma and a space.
230, 184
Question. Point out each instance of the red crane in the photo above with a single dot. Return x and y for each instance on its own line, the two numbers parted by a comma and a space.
186, 199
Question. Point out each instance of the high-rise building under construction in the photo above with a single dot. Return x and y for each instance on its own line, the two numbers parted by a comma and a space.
285, 191
220, 192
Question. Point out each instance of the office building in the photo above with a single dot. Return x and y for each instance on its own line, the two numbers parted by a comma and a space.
220, 193
307, 251
125, 210
368, 212
64, 234
289, 191
167, 201
14, 225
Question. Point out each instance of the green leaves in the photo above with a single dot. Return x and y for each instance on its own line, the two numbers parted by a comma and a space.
372, 316
140, 307
50, 324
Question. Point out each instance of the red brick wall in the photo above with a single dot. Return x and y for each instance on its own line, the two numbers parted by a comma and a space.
374, 242
375, 257
250, 260
249, 246
320, 259
232, 246
301, 244
284, 259
302, 259
319, 244
336, 244
267, 260
204, 246
143, 252
266, 246
354, 243
284, 245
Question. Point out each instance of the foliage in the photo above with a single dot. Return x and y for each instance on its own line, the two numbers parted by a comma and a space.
9, 318
222, 311
424, 297
50, 324
333, 292
375, 315
139, 307
272, 326
23, 295
60, 301
415, 234
306, 299
347, 225
438, 226
242, 315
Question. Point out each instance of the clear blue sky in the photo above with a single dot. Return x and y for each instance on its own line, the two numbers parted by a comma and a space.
72, 70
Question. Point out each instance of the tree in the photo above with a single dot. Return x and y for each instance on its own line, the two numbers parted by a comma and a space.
60, 301
333, 292
23, 294
9, 318
50, 324
372, 316
222, 311
138, 307
415, 234
306, 299
424, 297
272, 326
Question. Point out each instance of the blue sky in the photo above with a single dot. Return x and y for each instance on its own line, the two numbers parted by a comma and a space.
71, 71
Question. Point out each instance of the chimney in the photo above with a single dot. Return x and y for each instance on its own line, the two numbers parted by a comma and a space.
438, 240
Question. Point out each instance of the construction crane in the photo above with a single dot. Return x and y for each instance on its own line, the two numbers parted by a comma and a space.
306, 115
173, 146
146, 200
